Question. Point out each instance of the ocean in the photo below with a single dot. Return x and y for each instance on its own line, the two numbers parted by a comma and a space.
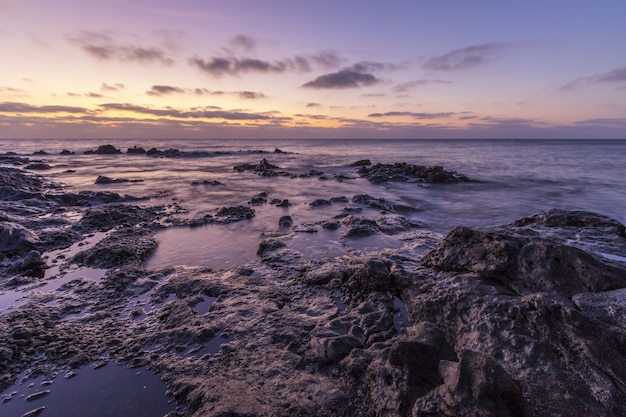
511, 179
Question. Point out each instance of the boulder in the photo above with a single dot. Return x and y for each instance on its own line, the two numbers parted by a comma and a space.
403, 172
16, 239
373, 276
524, 263
105, 150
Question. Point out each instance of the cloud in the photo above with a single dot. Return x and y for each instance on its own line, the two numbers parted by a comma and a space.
604, 122
313, 105
10, 90
103, 46
217, 66
12, 107
411, 114
163, 90
342, 79
617, 75
407, 86
250, 95
111, 88
468, 57
243, 42
94, 95
192, 114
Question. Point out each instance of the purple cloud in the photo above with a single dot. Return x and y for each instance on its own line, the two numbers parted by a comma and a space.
103, 46
111, 88
342, 79
617, 75
194, 114
163, 90
404, 87
12, 107
468, 57
411, 114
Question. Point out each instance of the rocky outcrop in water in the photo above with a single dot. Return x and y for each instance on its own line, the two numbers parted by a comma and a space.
404, 172
104, 150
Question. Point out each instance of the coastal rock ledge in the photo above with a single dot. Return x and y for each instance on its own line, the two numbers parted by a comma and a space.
525, 319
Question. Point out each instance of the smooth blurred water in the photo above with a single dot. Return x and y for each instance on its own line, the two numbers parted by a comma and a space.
513, 179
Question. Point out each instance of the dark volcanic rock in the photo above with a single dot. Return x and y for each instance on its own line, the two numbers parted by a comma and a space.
91, 198
127, 246
16, 239
102, 179
320, 202
373, 276
536, 330
361, 162
38, 166
359, 227
206, 182
234, 214
105, 150
574, 219
18, 180
285, 221
107, 217
373, 202
476, 385
403, 172
136, 151
525, 262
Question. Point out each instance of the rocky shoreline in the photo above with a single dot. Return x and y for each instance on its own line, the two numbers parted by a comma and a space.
524, 319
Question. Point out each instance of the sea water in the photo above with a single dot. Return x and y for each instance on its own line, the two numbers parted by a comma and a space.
510, 179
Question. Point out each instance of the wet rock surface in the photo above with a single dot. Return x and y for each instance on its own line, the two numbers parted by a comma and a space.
403, 172
524, 319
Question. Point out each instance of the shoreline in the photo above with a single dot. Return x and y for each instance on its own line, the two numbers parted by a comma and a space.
483, 310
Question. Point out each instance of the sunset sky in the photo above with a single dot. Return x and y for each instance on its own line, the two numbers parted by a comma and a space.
312, 69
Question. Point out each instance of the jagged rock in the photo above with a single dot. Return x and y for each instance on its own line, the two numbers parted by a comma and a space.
107, 217
136, 151
573, 219
16, 239
392, 224
107, 180
234, 214
125, 247
320, 203
38, 166
105, 150
359, 227
285, 221
361, 162
373, 202
206, 182
373, 276
269, 245
402, 172
282, 203
16, 179
525, 263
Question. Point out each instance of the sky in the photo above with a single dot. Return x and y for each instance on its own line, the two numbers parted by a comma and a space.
228, 69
